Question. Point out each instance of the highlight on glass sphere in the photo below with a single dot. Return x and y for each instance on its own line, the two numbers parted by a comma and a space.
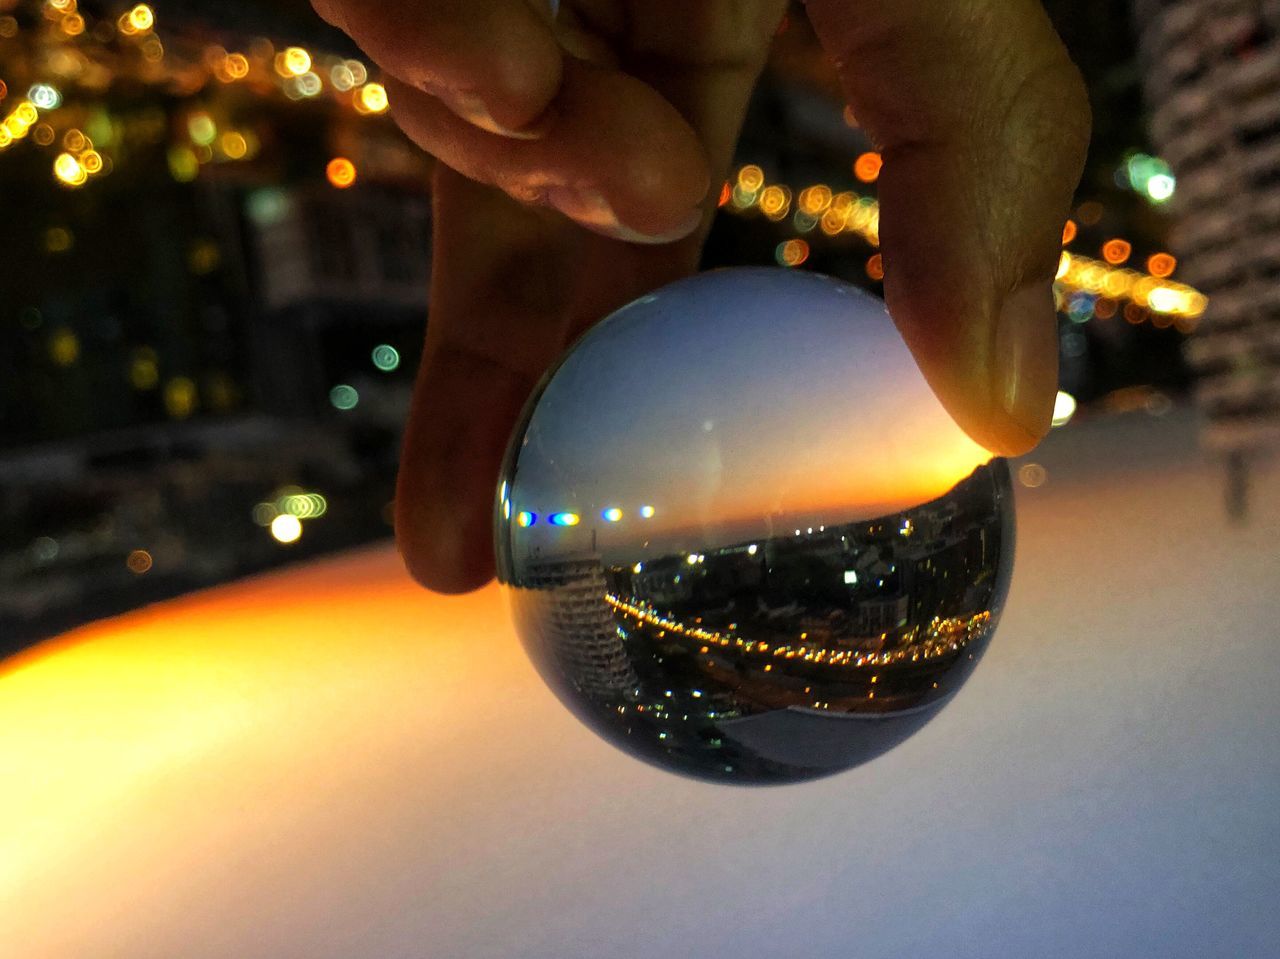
740, 536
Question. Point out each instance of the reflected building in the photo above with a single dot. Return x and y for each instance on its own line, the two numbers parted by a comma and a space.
578, 627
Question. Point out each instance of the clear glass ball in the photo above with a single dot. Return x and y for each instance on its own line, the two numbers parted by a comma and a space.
740, 536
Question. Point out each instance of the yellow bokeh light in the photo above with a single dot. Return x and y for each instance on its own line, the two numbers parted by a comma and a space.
237, 66
341, 172
793, 252
372, 98
1064, 264
180, 397
775, 201
58, 239
142, 18
183, 165
286, 528
201, 128
234, 145
91, 161
815, 200
1069, 232
751, 178
64, 347
68, 170
296, 61
144, 372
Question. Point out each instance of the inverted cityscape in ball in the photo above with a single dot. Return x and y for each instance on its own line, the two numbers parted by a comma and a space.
740, 536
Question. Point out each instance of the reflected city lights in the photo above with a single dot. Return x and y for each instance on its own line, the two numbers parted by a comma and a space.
706, 641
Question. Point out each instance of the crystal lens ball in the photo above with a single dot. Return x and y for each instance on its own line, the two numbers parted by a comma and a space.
740, 536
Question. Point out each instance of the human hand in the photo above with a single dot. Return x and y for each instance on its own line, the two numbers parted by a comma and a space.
578, 153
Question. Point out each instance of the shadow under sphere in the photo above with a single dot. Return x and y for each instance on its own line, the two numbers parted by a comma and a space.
741, 537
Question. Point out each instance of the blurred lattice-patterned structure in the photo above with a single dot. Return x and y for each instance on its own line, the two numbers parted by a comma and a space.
1212, 74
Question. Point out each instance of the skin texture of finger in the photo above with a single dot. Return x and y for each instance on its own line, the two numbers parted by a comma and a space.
615, 155
495, 63
983, 123
513, 285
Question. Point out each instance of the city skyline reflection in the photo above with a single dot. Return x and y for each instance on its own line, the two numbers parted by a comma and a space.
775, 561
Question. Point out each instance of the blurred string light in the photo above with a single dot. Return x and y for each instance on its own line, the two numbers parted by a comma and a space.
1181, 304
263, 67
128, 47
818, 209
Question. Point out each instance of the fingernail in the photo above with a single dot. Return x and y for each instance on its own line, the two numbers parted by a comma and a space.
592, 210
472, 109
1026, 360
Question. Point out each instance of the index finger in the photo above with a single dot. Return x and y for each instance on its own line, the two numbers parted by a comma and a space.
983, 124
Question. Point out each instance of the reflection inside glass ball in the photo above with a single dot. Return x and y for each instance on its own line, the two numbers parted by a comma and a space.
741, 537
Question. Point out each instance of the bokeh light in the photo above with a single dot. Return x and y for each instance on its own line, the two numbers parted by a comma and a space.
1116, 251
372, 98
386, 357
792, 252
867, 167
344, 397
1161, 265
1064, 407
139, 561
286, 528
341, 172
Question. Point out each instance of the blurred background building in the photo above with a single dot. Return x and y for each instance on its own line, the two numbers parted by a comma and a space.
216, 262
1212, 74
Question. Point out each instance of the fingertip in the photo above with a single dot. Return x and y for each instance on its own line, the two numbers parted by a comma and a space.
441, 553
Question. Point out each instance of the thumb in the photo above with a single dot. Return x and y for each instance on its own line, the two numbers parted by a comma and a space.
983, 123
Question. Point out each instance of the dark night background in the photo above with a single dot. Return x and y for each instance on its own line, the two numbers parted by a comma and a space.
183, 335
